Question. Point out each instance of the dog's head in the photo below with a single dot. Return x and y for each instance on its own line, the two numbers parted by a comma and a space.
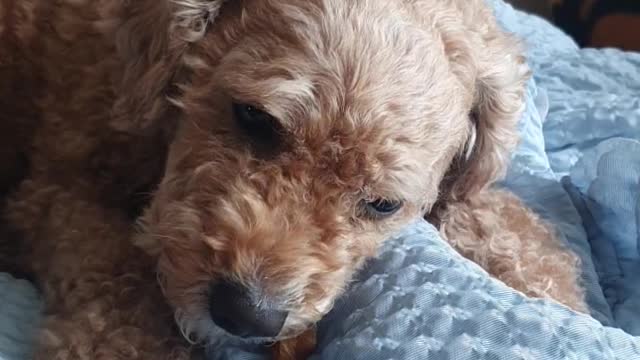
307, 132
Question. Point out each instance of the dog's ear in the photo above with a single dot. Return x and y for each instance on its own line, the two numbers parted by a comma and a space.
152, 36
491, 62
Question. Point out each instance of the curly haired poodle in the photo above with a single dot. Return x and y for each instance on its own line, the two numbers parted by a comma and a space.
267, 148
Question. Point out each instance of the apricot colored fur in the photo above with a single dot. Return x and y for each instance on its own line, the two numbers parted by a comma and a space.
126, 109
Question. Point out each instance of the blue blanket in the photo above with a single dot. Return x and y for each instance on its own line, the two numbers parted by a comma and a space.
591, 115
578, 166
19, 317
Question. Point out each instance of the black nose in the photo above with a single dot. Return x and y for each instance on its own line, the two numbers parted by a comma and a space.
241, 313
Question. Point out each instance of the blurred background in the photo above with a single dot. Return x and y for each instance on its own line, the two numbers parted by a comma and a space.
592, 23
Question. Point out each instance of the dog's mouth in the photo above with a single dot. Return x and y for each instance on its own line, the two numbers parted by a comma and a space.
199, 328
224, 313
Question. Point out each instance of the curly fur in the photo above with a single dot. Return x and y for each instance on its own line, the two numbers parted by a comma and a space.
413, 100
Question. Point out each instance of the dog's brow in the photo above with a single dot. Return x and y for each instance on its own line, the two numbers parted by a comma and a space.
402, 179
285, 98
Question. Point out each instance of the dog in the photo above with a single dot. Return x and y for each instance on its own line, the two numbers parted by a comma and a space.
265, 149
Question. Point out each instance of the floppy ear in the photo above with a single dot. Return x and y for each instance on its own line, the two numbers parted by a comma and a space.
491, 62
151, 39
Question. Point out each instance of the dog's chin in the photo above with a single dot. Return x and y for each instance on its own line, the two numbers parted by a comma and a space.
198, 328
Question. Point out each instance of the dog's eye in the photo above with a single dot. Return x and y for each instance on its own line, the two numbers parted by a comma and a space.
381, 208
258, 124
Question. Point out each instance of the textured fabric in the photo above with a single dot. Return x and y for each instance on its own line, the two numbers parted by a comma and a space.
590, 136
606, 187
592, 106
19, 314
421, 300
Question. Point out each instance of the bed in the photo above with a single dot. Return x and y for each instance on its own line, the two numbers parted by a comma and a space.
578, 165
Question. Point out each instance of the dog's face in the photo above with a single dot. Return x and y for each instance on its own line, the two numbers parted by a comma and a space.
310, 131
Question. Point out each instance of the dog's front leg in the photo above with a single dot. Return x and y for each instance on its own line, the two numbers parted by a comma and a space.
498, 232
101, 296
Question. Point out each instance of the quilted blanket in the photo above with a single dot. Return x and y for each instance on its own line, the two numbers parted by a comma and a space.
578, 166
19, 317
